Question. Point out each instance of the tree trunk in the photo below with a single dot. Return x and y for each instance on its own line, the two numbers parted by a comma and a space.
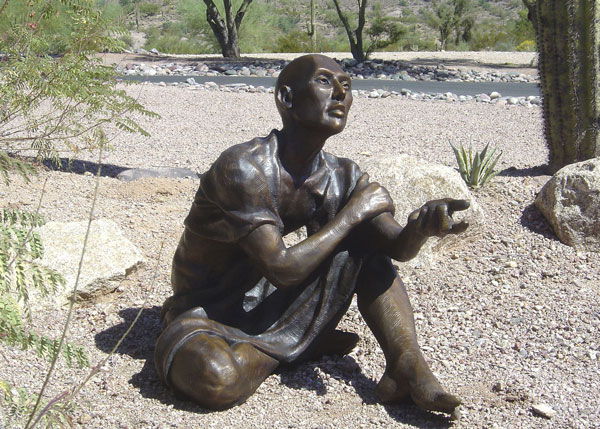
531, 6
568, 45
354, 37
313, 29
226, 30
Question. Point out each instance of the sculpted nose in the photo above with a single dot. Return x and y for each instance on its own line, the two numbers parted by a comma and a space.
339, 92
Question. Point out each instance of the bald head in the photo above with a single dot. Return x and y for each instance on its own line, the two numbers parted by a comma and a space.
298, 71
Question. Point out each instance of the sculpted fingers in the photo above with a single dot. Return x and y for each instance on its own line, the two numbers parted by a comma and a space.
443, 222
453, 206
435, 217
457, 228
362, 182
456, 205
369, 200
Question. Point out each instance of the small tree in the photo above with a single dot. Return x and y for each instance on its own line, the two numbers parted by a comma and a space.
226, 30
383, 32
463, 21
448, 16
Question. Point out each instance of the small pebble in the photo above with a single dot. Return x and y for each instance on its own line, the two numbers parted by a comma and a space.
543, 410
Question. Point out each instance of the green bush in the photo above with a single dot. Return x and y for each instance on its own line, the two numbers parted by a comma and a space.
296, 41
171, 38
148, 8
526, 46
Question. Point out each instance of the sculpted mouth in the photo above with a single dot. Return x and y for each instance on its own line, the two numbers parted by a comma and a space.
338, 110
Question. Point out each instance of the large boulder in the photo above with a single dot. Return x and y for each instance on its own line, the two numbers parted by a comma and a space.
109, 256
570, 201
411, 182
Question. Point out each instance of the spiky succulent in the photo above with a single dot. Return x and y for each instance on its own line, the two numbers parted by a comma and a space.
476, 169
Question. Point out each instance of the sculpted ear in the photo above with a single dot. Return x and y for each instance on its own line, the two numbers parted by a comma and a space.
284, 96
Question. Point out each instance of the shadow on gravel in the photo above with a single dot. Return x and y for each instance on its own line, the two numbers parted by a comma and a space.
465, 62
74, 166
310, 376
81, 167
193, 60
139, 344
538, 170
533, 220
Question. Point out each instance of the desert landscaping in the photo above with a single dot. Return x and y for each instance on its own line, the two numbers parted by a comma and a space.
507, 315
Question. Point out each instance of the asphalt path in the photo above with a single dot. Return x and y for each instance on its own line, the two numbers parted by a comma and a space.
506, 89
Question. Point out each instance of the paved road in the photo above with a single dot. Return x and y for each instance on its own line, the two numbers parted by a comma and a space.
459, 88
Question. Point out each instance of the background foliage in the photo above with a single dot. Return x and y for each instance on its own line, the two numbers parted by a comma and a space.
179, 26
56, 99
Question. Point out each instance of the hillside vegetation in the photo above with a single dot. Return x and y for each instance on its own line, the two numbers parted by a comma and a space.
179, 26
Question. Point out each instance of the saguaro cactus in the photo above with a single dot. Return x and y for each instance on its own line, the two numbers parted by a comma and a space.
568, 45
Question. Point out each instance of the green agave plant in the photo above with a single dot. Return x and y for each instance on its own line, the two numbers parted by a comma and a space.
476, 170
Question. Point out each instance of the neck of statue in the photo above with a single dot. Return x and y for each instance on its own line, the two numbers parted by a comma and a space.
298, 151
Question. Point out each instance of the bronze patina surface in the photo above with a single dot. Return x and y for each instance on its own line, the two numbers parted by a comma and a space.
243, 302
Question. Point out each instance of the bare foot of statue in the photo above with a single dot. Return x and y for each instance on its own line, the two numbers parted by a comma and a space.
411, 377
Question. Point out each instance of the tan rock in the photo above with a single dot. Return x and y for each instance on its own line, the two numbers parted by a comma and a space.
570, 201
109, 256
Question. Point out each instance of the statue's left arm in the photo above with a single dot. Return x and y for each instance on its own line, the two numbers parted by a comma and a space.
433, 219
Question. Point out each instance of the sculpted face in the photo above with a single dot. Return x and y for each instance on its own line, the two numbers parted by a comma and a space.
315, 93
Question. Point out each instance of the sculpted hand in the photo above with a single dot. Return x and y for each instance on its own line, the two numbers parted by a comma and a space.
369, 200
435, 218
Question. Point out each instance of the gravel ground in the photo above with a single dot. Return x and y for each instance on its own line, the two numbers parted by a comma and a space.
508, 318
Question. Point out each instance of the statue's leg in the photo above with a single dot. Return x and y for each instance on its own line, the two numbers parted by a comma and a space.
384, 304
218, 375
336, 342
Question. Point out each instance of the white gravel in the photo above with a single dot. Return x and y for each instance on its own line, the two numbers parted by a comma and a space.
508, 318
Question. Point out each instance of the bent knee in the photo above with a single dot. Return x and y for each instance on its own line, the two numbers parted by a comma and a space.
204, 369
377, 274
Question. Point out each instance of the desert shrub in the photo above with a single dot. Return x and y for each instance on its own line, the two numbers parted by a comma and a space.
383, 33
171, 38
51, 105
127, 40
20, 274
296, 41
526, 46
148, 8
336, 43
491, 39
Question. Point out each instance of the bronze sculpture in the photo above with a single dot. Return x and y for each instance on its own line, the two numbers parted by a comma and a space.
243, 303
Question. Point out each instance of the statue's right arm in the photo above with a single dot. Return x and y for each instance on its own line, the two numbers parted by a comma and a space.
286, 267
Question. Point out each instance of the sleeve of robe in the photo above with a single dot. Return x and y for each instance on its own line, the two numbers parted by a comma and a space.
235, 197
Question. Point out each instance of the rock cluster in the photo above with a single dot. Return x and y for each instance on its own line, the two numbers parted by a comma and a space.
492, 98
370, 69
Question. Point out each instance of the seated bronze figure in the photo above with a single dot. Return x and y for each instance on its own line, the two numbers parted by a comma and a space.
244, 303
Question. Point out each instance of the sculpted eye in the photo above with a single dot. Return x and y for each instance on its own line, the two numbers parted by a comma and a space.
323, 80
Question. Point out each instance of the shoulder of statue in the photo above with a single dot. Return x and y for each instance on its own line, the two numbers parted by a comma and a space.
243, 155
